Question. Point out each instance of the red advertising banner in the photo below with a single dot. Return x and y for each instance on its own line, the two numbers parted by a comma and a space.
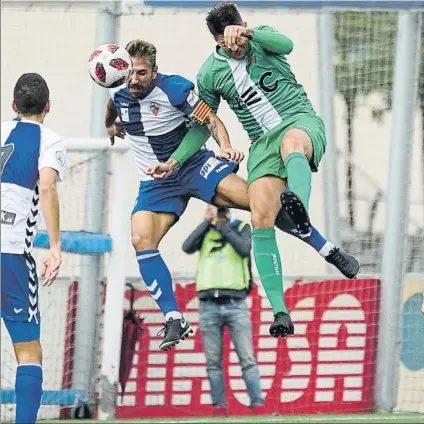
326, 367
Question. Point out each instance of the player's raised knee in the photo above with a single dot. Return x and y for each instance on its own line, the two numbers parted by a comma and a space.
28, 352
262, 219
297, 141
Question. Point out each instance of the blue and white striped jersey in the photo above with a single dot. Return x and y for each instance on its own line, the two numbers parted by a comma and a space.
26, 147
156, 124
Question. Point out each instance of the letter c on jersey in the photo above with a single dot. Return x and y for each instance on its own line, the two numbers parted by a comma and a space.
267, 88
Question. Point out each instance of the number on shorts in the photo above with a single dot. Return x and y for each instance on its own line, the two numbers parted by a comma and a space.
6, 152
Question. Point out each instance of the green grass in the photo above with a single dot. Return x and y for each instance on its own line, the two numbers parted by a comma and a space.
283, 419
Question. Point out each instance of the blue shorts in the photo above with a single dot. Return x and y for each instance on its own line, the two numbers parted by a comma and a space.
198, 177
19, 297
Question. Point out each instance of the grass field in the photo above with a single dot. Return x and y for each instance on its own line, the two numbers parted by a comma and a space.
284, 419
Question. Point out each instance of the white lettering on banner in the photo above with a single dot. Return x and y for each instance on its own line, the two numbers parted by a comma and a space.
297, 380
344, 313
190, 364
325, 361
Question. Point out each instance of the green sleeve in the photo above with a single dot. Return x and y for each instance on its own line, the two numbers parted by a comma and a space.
206, 89
193, 141
272, 40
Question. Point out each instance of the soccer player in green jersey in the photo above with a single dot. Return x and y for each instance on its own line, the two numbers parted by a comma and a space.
250, 71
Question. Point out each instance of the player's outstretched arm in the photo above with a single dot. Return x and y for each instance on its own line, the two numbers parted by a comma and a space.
49, 201
193, 141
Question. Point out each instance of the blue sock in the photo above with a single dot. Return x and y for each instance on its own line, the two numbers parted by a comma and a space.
315, 240
158, 281
28, 388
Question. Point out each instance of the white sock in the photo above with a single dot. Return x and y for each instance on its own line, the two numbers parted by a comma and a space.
325, 250
173, 315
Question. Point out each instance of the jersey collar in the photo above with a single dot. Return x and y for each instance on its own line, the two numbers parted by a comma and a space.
18, 119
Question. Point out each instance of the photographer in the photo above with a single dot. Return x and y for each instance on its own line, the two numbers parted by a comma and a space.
223, 281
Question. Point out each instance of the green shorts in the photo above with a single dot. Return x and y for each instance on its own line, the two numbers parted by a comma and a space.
264, 153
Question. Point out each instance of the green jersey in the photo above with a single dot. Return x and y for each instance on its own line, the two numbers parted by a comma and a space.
261, 89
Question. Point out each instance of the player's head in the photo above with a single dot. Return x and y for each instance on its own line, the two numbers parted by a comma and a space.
31, 96
223, 212
143, 55
221, 16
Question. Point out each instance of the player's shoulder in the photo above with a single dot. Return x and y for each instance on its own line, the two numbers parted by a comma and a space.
49, 136
7, 125
25, 129
176, 87
208, 64
206, 70
6, 129
172, 83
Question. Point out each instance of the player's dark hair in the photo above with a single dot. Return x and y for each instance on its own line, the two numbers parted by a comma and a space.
141, 48
31, 94
222, 15
222, 211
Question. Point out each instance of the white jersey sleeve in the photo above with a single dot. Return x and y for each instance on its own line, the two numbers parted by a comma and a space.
52, 152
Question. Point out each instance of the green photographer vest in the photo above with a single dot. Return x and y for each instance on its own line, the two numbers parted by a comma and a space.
221, 267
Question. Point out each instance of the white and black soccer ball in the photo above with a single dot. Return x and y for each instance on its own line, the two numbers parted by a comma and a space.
109, 65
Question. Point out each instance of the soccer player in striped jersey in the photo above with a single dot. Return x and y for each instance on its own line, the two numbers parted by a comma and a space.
155, 113
32, 161
249, 69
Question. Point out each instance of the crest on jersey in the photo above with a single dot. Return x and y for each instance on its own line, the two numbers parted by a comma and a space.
154, 107
60, 157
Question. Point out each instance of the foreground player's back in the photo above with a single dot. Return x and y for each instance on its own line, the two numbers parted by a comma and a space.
26, 147
32, 160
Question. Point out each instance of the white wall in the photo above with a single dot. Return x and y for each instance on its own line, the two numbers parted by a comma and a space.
60, 54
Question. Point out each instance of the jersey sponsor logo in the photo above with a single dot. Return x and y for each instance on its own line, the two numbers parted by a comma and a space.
192, 98
154, 107
8, 218
61, 157
209, 166
221, 168
265, 84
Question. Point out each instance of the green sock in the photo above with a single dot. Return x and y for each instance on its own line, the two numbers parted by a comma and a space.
299, 176
268, 262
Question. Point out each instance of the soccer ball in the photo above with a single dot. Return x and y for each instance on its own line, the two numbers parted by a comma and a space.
109, 65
